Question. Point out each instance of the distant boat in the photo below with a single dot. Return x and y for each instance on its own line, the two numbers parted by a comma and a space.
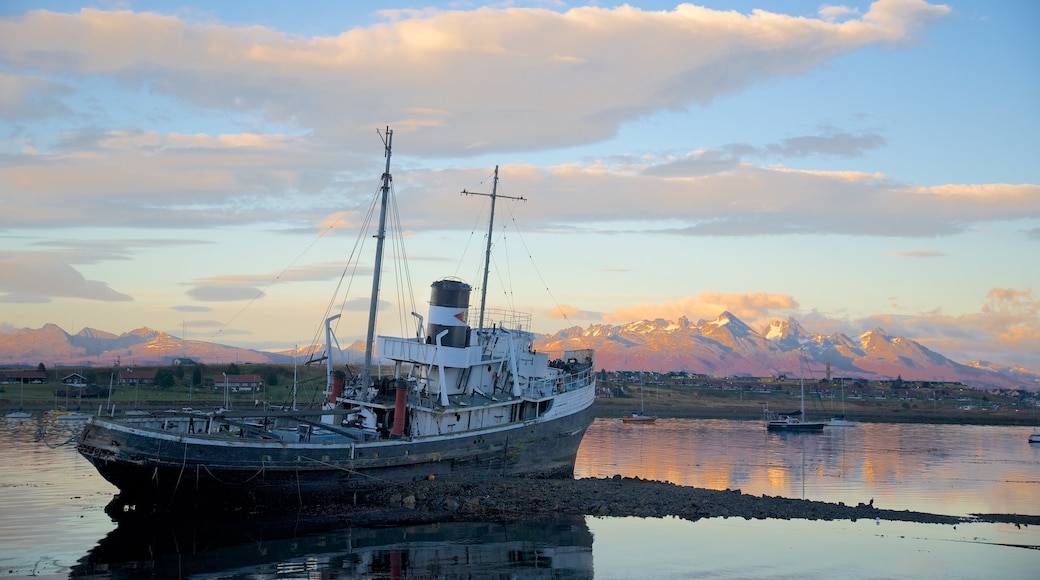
840, 420
639, 416
19, 414
1034, 438
793, 421
73, 416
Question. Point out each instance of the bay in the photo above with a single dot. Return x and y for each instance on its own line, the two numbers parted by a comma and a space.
946, 469
52, 507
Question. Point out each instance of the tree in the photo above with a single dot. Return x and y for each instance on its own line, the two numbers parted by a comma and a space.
178, 371
41, 368
232, 369
164, 378
196, 376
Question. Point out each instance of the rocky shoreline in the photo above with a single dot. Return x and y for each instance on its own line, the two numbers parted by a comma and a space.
508, 499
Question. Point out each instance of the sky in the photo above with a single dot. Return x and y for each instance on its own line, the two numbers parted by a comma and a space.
207, 169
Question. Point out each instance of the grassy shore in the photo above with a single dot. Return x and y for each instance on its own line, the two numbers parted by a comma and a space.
670, 401
715, 403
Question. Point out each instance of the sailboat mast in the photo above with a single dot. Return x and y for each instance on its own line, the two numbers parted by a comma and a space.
487, 253
803, 398
801, 377
366, 376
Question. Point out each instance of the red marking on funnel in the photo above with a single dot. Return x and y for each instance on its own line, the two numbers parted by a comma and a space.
461, 316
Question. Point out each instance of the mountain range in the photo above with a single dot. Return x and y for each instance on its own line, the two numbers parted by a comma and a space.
725, 346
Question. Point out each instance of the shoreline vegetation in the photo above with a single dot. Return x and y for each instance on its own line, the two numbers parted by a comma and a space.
200, 387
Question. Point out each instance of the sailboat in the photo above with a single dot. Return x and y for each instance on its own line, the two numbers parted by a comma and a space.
19, 413
639, 416
1034, 437
795, 420
460, 402
841, 420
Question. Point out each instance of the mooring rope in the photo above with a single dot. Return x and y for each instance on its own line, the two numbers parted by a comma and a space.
347, 469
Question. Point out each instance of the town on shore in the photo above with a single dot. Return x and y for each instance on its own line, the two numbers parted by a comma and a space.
665, 395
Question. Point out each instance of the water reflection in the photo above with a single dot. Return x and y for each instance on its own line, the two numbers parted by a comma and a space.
52, 503
947, 469
250, 548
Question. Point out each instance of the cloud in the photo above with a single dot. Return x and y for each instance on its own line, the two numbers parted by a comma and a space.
190, 308
235, 287
36, 277
581, 81
572, 313
307, 273
695, 164
919, 253
836, 13
677, 197
30, 97
749, 307
835, 143
224, 293
547, 77
1005, 328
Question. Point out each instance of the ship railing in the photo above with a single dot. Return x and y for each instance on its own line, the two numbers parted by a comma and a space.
509, 319
563, 383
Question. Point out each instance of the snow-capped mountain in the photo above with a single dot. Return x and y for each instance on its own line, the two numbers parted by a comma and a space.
727, 346
52, 346
724, 346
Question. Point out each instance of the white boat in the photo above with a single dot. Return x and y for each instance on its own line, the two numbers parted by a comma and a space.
19, 413
841, 420
460, 402
1034, 438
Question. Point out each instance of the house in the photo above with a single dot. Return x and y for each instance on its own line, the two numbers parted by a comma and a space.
183, 361
134, 376
74, 379
236, 383
24, 377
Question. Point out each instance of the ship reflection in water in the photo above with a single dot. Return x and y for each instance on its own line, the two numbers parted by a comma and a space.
324, 546
52, 507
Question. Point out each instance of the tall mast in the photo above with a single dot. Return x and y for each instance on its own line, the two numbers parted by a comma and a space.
491, 226
366, 377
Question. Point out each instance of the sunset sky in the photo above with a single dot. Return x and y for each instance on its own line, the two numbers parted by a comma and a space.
205, 169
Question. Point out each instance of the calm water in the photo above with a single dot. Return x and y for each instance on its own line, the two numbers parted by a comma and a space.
53, 524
